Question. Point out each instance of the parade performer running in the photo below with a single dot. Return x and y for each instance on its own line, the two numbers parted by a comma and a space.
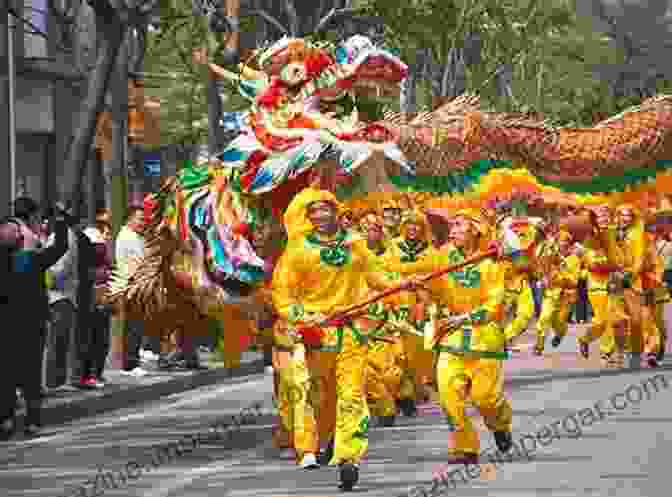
633, 243
326, 270
413, 244
385, 382
600, 255
560, 293
470, 341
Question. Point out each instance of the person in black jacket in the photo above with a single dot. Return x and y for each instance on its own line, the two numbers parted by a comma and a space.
24, 302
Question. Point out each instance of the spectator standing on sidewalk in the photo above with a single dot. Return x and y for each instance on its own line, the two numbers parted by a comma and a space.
25, 303
61, 339
129, 248
94, 317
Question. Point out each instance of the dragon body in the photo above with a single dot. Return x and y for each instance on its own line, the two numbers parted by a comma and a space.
215, 230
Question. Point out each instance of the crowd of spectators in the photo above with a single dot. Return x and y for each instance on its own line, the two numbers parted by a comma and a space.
54, 269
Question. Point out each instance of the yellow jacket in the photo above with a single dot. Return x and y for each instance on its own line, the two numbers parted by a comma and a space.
477, 290
519, 301
306, 283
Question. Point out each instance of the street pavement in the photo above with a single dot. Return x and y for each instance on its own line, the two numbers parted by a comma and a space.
624, 454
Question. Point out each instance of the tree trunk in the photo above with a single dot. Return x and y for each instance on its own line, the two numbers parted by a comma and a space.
214, 113
408, 98
118, 183
118, 168
111, 31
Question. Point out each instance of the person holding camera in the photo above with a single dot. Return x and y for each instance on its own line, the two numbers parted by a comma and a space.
24, 300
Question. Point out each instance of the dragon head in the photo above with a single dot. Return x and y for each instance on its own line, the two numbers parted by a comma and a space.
329, 72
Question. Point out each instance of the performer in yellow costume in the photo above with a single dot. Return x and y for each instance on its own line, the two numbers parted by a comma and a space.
562, 276
633, 244
297, 403
470, 341
599, 257
413, 244
386, 357
326, 270
518, 299
392, 214
663, 298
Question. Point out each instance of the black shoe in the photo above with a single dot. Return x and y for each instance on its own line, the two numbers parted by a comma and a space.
503, 440
349, 474
7, 429
660, 356
386, 421
652, 360
327, 455
408, 407
555, 342
32, 430
195, 366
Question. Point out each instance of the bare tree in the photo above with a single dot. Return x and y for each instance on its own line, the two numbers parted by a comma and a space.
113, 19
641, 30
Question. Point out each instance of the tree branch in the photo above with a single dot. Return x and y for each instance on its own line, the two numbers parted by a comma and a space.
348, 12
290, 8
267, 17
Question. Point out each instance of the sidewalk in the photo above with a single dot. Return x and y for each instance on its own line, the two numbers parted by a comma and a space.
67, 403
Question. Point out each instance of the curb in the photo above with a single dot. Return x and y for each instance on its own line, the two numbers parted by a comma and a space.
91, 406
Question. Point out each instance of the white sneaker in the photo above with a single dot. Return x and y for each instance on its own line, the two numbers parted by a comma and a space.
148, 355
309, 461
138, 372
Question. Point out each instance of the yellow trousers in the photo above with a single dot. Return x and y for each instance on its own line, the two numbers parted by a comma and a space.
661, 324
610, 319
479, 382
419, 364
554, 314
383, 377
298, 427
343, 386
645, 336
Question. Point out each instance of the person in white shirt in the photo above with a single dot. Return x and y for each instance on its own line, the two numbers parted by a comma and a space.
129, 247
61, 357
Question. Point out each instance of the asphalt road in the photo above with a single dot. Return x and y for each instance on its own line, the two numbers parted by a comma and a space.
626, 453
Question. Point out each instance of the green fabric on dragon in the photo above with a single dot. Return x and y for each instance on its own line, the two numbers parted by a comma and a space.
191, 176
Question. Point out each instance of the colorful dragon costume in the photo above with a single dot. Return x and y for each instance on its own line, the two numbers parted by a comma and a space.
214, 231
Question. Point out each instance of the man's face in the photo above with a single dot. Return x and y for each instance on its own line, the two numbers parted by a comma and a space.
374, 232
603, 215
565, 245
323, 216
413, 231
391, 217
461, 233
136, 221
346, 221
260, 236
626, 216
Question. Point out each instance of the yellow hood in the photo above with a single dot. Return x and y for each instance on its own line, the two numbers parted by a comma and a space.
296, 216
